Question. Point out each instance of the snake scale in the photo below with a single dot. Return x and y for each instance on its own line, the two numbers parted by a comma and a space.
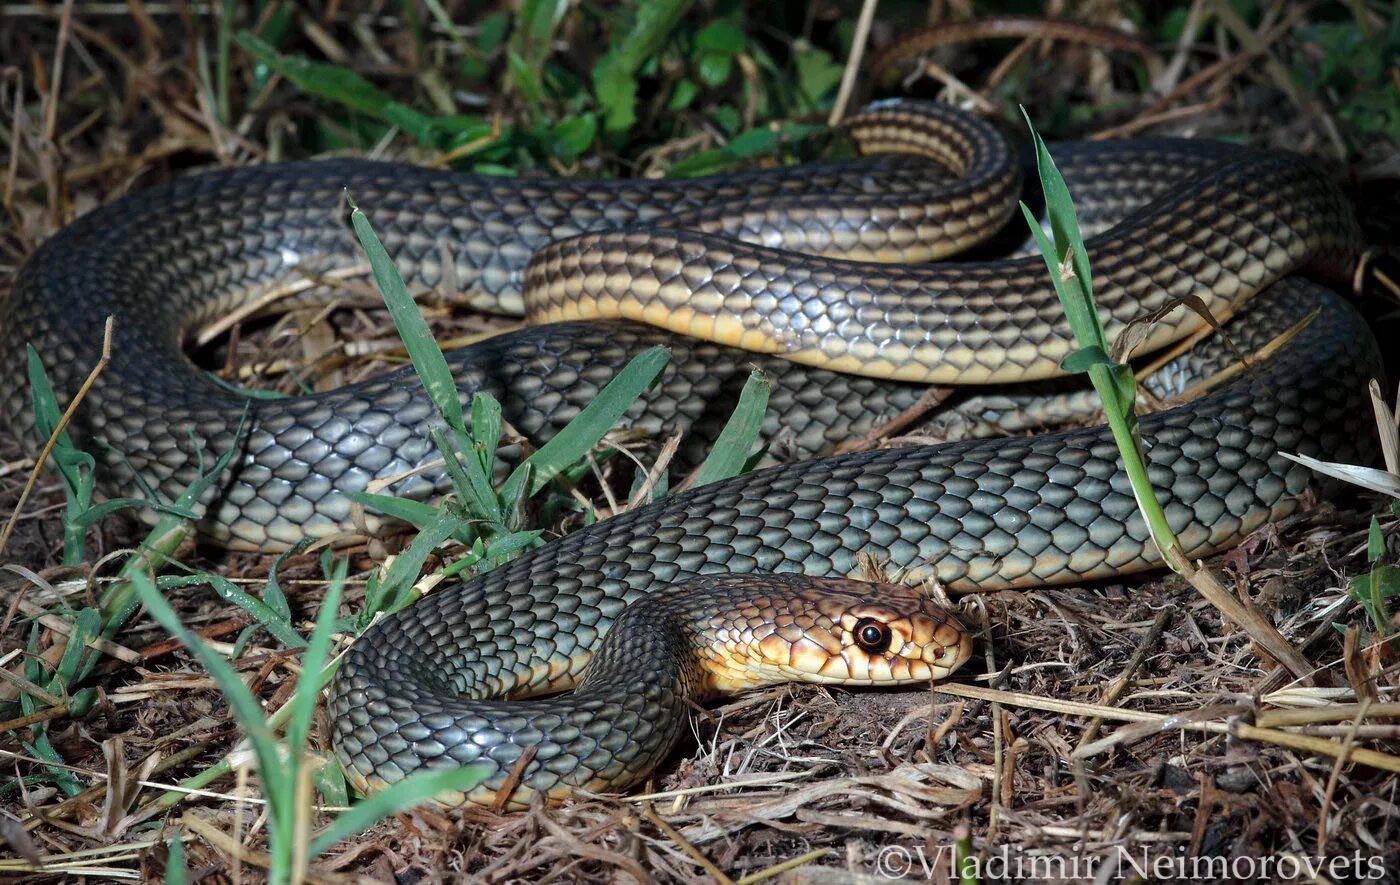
817, 275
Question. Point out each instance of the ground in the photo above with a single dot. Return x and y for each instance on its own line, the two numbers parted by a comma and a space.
1120, 723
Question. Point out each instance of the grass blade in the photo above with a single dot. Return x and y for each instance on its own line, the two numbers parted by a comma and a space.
412, 790
246, 708
740, 433
313, 661
569, 445
422, 347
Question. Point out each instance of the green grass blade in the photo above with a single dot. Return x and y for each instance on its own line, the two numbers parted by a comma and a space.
246, 708
121, 600
272, 620
571, 444
1068, 264
175, 863
412, 790
731, 450
343, 86
395, 589
313, 661
87, 625
272, 589
463, 467
487, 424
1069, 244
414, 513
423, 349
534, 30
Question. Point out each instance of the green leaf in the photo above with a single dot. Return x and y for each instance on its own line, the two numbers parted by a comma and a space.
753, 143
414, 513
1077, 299
721, 37
42, 748
276, 623
313, 662
423, 349
175, 862
817, 74
682, 94
574, 135
487, 424
1082, 359
473, 489
413, 790
524, 78
617, 94
740, 433
330, 783
82, 701
569, 445
714, 69
615, 77
492, 30
276, 778
340, 85
1375, 542
534, 30
87, 625
272, 589
120, 601
395, 589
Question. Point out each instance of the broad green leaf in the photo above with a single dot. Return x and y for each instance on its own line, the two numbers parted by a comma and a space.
573, 136
817, 74
615, 77
721, 37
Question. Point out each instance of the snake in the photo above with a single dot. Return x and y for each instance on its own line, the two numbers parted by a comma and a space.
823, 276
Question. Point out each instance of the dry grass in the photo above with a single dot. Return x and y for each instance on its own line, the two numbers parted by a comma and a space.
1122, 716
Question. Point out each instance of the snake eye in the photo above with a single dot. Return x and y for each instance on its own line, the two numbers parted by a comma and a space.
872, 636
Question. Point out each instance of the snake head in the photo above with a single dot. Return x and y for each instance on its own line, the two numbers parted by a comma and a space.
833, 631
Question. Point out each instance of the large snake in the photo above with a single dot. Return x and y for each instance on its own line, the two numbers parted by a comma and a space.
738, 259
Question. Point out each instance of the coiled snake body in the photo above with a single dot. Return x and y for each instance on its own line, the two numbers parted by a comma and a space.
739, 260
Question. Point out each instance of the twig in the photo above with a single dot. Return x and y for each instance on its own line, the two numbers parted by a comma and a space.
848, 76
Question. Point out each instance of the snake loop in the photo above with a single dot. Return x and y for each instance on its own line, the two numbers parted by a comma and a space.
781, 262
